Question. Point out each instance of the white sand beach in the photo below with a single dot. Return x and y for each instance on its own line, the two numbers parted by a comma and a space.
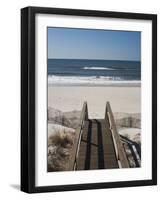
65, 104
122, 99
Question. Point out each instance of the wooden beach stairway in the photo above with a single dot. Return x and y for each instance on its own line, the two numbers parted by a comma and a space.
97, 143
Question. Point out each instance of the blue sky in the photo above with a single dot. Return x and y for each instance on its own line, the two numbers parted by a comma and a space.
93, 44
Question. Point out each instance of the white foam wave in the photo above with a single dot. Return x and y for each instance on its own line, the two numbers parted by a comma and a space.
90, 81
98, 68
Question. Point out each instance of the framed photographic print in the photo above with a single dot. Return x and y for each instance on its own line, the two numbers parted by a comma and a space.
88, 99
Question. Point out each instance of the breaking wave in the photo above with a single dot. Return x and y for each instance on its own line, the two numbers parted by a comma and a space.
98, 68
90, 81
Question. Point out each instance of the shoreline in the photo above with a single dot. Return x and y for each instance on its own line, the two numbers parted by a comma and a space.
92, 81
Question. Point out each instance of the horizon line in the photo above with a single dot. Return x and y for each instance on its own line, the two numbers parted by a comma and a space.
90, 59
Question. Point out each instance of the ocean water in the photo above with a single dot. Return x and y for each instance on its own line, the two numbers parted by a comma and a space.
73, 72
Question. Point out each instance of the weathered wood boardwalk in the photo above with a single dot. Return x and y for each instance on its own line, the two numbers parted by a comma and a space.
97, 144
96, 149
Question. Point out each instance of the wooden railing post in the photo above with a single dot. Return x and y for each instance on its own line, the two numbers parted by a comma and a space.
119, 150
106, 112
78, 136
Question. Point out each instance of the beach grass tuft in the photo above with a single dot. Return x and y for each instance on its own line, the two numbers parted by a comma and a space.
59, 150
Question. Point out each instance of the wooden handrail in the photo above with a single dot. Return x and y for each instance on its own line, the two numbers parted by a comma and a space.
119, 150
83, 117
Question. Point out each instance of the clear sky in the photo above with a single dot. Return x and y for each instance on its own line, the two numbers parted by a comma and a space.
93, 44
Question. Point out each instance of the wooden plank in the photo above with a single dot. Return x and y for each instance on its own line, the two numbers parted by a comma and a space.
110, 160
94, 146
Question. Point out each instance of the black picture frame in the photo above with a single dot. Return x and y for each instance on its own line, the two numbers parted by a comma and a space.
28, 98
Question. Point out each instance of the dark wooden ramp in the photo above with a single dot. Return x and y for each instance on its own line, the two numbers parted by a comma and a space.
96, 150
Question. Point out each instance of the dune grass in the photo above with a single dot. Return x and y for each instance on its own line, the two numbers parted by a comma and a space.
59, 151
